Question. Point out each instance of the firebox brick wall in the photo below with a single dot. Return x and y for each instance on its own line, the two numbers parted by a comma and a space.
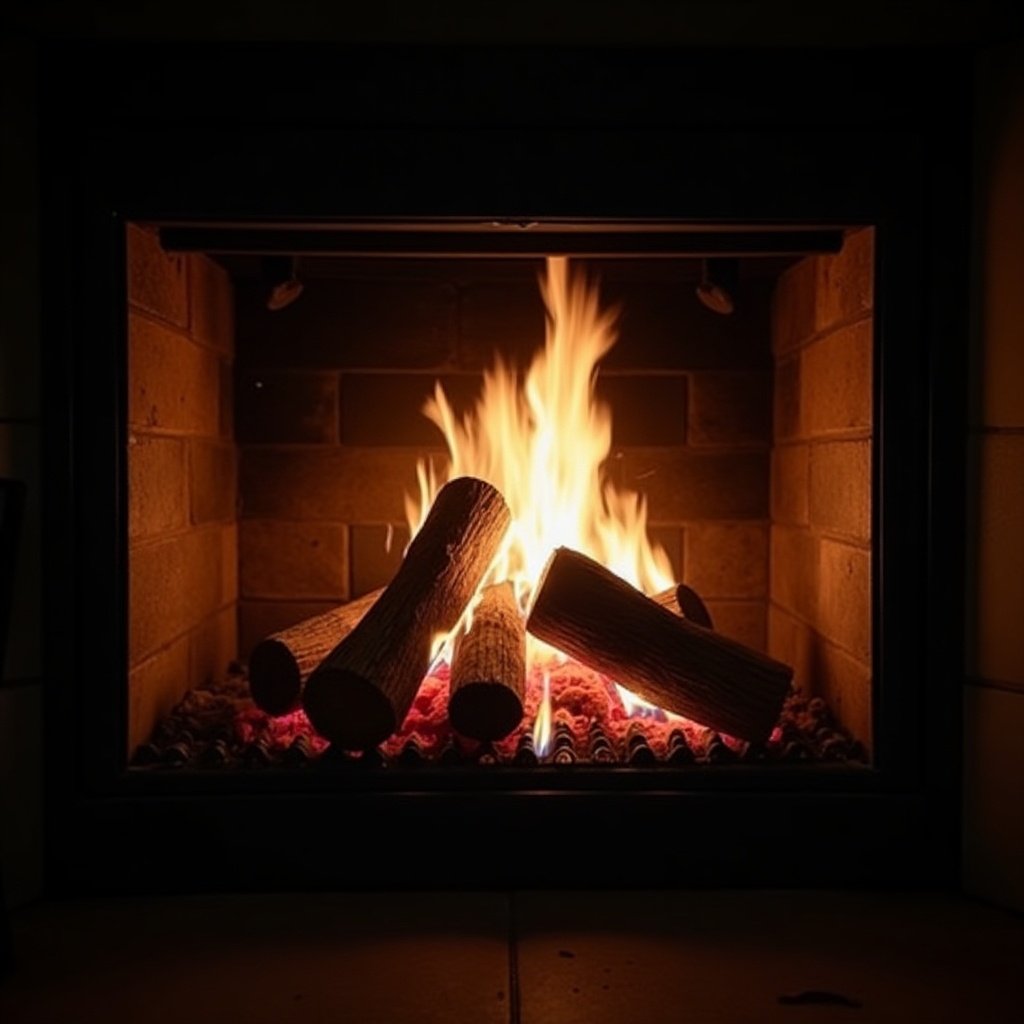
819, 614
183, 580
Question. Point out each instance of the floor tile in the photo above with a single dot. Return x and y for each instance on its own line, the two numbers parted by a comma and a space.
417, 958
731, 957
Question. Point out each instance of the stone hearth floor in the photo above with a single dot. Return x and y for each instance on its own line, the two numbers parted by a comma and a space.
529, 958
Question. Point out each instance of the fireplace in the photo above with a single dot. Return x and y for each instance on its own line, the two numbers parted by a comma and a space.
745, 432
249, 340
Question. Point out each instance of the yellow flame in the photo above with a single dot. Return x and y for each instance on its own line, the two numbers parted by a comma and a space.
542, 441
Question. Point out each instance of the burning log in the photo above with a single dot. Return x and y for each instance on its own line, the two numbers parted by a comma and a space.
693, 607
667, 599
590, 614
281, 663
363, 689
488, 680
684, 600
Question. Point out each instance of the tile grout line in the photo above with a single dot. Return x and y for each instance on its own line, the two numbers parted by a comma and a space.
513, 962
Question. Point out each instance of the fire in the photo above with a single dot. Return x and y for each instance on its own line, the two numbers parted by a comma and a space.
542, 723
542, 439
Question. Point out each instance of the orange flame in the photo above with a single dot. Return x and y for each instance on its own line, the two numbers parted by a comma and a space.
542, 441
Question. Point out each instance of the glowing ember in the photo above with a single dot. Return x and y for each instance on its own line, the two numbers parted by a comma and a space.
542, 441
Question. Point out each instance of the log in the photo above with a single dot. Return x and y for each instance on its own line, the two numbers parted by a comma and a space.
685, 601
693, 607
488, 678
281, 663
361, 692
594, 616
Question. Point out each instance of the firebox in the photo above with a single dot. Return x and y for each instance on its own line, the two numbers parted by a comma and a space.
435, 467
712, 445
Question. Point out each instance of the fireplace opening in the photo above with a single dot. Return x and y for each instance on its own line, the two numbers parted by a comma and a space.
682, 413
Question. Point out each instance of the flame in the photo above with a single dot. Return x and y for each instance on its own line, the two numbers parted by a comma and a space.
637, 707
542, 723
542, 440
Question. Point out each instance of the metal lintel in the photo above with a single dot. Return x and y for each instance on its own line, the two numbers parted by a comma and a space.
343, 241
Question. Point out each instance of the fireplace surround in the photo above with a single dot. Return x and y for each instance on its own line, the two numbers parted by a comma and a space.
516, 136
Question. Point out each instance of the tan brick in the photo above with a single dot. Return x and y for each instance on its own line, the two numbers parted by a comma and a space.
213, 481
329, 484
293, 560
349, 323
213, 305
157, 281
662, 326
727, 559
793, 306
213, 645
258, 619
501, 316
374, 560
745, 621
229, 564
846, 281
845, 683
730, 408
840, 487
154, 687
645, 409
835, 382
793, 570
173, 585
283, 406
844, 597
387, 408
671, 540
173, 384
791, 641
786, 412
691, 485
790, 484
157, 489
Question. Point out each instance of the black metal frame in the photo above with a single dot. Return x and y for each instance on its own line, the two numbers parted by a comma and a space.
195, 133
530, 239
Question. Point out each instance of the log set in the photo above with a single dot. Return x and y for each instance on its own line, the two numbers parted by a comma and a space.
281, 663
362, 691
597, 618
488, 673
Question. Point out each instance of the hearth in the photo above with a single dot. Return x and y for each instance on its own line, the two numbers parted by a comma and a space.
689, 553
